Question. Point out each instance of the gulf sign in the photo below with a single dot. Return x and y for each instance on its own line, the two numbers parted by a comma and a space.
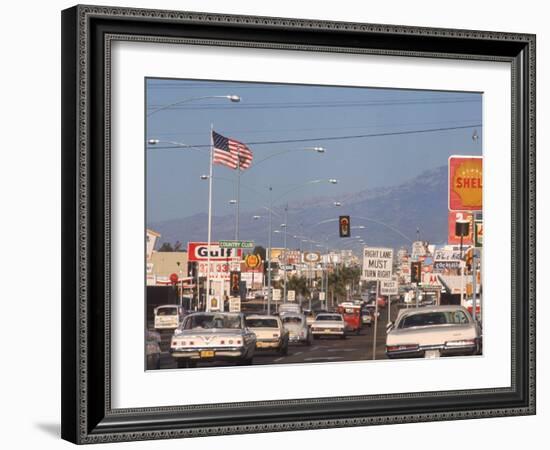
198, 251
465, 183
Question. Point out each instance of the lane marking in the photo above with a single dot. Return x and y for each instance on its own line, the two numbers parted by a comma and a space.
343, 349
278, 359
298, 353
316, 358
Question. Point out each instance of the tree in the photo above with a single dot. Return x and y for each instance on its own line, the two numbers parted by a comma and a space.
260, 251
166, 247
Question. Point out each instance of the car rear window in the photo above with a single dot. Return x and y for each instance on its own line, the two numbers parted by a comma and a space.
210, 321
262, 323
434, 318
297, 320
167, 311
329, 317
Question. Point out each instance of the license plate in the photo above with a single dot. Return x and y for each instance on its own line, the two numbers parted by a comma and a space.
327, 330
207, 354
431, 354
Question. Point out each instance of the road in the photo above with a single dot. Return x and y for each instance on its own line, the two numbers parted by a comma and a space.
353, 348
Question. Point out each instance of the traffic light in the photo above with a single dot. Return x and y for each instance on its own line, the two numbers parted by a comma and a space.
469, 258
416, 272
344, 226
235, 283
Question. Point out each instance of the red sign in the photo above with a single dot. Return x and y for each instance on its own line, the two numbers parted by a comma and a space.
465, 183
198, 251
452, 238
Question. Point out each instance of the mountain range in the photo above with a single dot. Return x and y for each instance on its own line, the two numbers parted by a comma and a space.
390, 215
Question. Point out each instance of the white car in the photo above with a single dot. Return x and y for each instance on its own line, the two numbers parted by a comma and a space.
213, 336
270, 333
328, 324
297, 327
433, 331
167, 317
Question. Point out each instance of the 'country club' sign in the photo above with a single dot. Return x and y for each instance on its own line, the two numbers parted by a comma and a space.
377, 264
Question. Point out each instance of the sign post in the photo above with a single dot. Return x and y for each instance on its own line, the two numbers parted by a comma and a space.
389, 288
377, 266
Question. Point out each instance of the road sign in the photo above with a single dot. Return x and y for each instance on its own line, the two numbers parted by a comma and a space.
276, 294
236, 244
234, 304
478, 238
291, 296
465, 183
321, 296
377, 264
389, 287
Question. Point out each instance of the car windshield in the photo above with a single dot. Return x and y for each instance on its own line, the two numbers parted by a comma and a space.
261, 323
167, 311
329, 317
434, 318
208, 321
292, 319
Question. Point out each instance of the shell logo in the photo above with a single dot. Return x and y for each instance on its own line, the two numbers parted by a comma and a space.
465, 183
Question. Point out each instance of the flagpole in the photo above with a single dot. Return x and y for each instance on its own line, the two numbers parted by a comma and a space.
207, 308
238, 191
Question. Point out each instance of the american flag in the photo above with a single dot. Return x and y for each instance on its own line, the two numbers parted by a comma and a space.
231, 153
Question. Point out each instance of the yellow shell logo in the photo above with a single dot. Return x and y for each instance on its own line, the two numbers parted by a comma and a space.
467, 183
252, 261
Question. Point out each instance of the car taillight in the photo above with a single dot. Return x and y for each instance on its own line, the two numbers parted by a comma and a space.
238, 342
190, 343
222, 342
275, 334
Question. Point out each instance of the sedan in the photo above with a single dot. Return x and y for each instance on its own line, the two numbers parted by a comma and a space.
328, 324
209, 336
431, 332
270, 333
297, 327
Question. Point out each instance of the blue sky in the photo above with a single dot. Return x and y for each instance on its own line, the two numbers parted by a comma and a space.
336, 118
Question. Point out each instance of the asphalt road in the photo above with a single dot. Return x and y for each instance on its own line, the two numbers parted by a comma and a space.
353, 348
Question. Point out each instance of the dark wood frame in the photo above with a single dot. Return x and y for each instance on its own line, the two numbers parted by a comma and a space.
87, 31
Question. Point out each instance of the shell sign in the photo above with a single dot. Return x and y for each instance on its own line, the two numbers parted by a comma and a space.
465, 183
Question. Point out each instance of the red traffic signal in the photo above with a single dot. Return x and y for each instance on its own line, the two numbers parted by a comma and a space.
344, 226
235, 283
416, 272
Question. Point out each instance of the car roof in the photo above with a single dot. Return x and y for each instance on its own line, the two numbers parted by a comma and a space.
260, 316
428, 309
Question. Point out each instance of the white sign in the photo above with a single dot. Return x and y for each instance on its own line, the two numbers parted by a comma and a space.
418, 249
389, 287
276, 294
312, 257
430, 279
377, 264
291, 296
322, 296
234, 304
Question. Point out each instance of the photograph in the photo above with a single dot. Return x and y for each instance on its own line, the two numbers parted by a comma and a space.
310, 224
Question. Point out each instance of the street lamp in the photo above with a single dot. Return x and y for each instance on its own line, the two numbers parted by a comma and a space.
231, 98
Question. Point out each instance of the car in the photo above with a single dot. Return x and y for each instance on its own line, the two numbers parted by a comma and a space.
352, 316
328, 324
167, 317
152, 349
433, 331
213, 336
290, 307
270, 333
297, 327
367, 318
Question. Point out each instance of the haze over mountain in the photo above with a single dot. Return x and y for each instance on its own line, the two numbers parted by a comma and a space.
390, 215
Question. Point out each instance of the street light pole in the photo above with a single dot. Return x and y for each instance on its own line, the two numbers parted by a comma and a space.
269, 290
286, 257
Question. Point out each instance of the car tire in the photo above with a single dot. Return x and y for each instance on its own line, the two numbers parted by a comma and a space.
284, 350
343, 336
182, 363
315, 337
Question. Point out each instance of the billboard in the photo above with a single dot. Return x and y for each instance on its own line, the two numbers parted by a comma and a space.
452, 238
465, 183
198, 251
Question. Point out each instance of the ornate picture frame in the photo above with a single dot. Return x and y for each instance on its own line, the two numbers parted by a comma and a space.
88, 33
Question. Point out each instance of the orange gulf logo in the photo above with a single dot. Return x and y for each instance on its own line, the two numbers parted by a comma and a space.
465, 183
252, 261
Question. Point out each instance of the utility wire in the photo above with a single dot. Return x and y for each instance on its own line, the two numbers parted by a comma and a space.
335, 138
